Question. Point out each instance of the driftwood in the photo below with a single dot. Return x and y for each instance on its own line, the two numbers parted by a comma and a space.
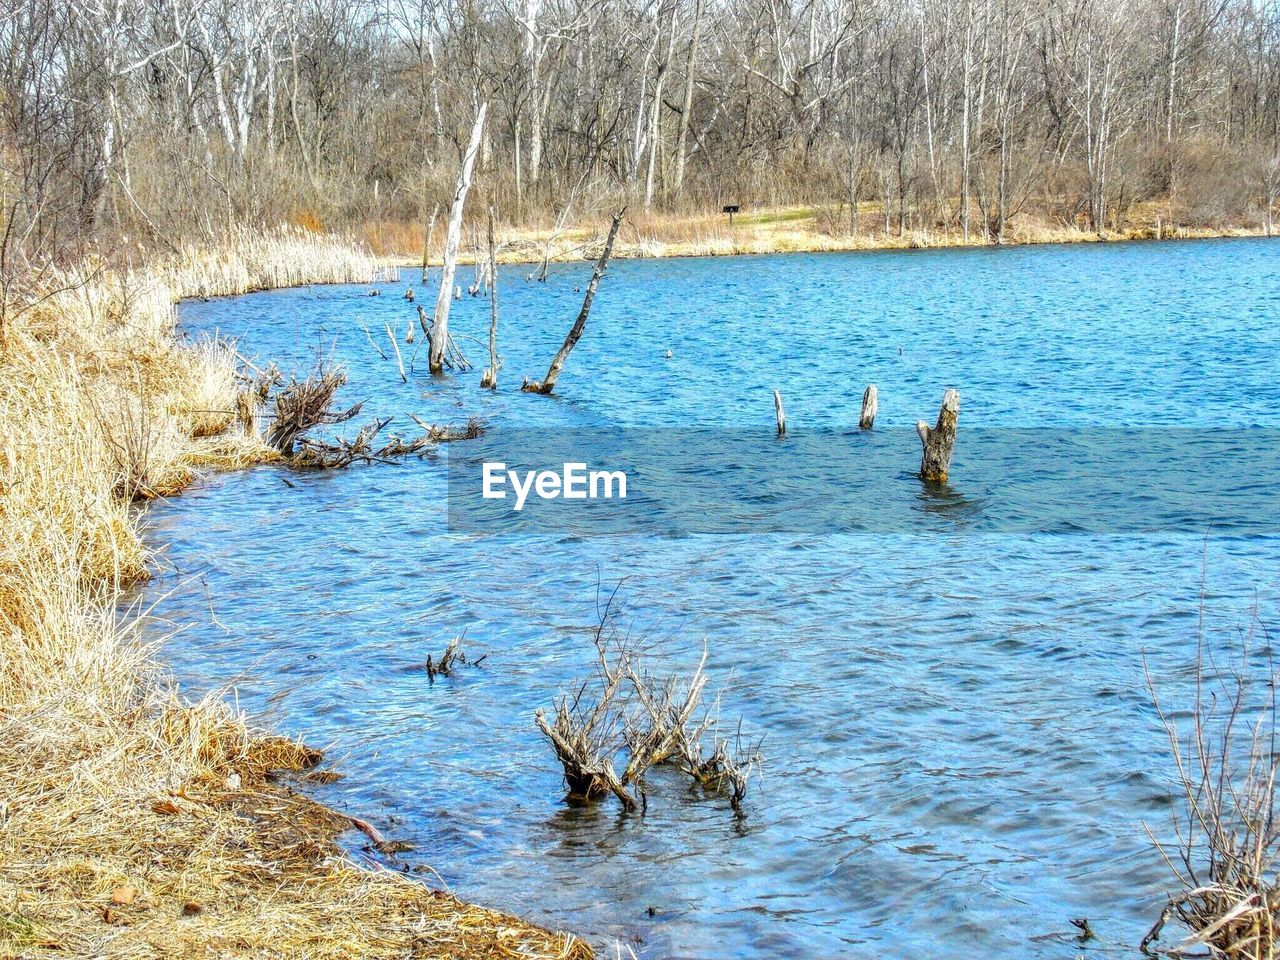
335, 455
489, 378
579, 325
304, 404
440, 340
779, 414
639, 720
396, 347
870, 405
452, 657
938, 441
324, 455
369, 337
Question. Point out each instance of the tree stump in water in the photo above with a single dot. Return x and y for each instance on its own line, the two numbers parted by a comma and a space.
939, 440
870, 404
779, 413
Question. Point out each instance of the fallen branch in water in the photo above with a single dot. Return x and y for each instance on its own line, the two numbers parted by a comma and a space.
304, 404
335, 455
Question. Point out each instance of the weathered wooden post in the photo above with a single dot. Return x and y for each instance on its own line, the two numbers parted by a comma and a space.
939, 440
453, 236
779, 413
870, 404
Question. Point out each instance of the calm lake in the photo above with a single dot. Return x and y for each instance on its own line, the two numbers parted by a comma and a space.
961, 751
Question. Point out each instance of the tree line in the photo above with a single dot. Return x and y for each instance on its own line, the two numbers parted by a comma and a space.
164, 118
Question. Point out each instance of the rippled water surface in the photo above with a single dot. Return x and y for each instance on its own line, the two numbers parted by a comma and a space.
961, 752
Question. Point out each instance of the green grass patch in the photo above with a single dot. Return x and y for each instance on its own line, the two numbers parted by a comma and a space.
16, 931
776, 216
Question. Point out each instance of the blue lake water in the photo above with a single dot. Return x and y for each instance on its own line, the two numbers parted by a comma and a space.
961, 748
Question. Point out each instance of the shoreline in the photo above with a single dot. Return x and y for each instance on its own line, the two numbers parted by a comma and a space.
770, 232
136, 820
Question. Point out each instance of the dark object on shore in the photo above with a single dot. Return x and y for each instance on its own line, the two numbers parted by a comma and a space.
870, 406
575, 333
939, 440
779, 414
731, 209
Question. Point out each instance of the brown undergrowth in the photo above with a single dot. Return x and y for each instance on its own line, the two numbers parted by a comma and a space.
134, 823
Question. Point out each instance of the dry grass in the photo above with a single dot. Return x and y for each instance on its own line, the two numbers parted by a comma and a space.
805, 229
132, 823
1226, 847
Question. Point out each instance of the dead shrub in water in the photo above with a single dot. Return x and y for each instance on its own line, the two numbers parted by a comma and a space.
304, 404
637, 720
1227, 839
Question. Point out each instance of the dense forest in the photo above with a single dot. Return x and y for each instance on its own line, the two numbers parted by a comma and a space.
169, 118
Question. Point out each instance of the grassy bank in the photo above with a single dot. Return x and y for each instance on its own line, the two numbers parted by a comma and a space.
134, 823
771, 230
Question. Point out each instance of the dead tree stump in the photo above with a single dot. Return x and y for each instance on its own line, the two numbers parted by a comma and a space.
870, 404
939, 440
779, 413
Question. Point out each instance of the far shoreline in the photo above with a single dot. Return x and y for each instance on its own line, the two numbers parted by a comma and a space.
773, 232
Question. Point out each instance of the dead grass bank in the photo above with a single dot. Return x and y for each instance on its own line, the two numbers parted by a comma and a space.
133, 823
803, 229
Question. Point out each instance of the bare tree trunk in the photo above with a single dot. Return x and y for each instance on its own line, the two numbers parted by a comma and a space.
490, 376
779, 414
575, 333
655, 116
426, 243
688, 96
440, 328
